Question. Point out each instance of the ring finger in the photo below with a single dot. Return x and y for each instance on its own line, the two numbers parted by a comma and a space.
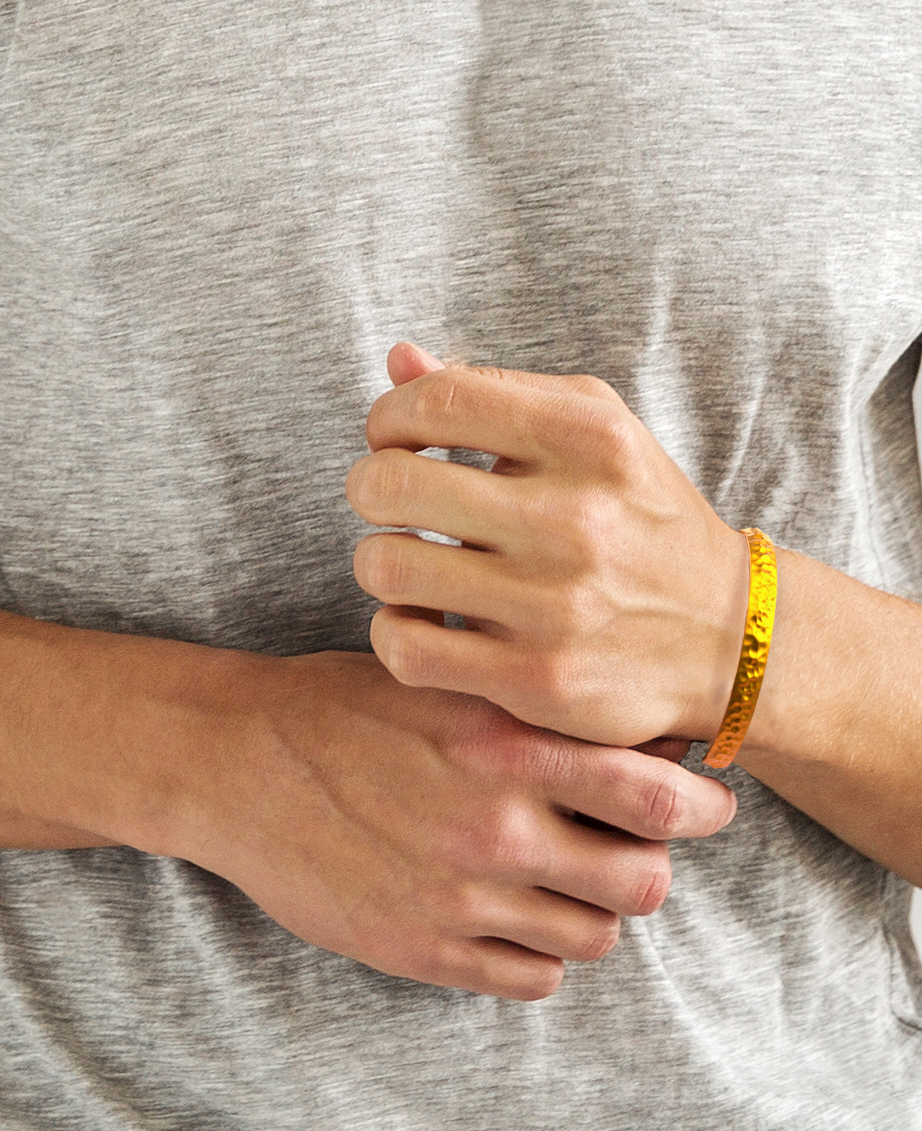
553, 924
607, 868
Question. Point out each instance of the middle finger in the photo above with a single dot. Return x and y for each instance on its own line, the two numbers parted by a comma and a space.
607, 868
394, 487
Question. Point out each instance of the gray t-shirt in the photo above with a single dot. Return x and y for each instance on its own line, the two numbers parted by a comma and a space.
215, 217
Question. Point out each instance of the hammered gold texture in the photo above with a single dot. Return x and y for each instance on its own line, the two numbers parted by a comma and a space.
757, 638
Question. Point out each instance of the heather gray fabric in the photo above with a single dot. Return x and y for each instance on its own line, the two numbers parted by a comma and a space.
215, 217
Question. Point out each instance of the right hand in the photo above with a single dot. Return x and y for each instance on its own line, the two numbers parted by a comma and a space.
425, 833
430, 835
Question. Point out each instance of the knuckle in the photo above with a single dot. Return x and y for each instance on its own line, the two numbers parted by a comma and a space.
608, 428
378, 421
435, 394
545, 515
438, 963
538, 986
569, 609
578, 527
378, 483
464, 906
498, 843
601, 941
553, 678
652, 888
402, 655
609, 433
594, 387
667, 807
508, 850
513, 757
591, 526
490, 743
549, 762
458, 904
720, 814
507, 752
356, 482
382, 569
490, 372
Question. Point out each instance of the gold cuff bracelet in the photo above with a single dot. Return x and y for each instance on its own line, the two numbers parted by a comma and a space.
760, 618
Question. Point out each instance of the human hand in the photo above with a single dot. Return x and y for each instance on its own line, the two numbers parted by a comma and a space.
426, 833
602, 595
29, 834
430, 835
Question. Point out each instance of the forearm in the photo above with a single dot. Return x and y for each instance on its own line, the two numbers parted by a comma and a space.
96, 731
610, 597
423, 833
838, 727
22, 832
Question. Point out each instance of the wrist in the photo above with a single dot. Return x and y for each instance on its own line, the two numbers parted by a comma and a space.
835, 730
714, 662
803, 702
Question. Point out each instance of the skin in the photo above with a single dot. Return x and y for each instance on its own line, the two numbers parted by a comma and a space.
426, 833
604, 598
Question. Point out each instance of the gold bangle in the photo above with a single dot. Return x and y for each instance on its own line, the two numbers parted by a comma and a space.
760, 618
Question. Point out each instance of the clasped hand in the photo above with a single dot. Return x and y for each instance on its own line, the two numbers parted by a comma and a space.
603, 597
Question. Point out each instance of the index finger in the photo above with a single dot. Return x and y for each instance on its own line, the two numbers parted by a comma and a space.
407, 361
649, 797
520, 416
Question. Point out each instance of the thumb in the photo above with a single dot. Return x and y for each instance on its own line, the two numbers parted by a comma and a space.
406, 362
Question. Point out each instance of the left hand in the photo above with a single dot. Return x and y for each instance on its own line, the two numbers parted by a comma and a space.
603, 597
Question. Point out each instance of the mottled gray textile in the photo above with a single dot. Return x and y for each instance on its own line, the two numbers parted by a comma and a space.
215, 217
